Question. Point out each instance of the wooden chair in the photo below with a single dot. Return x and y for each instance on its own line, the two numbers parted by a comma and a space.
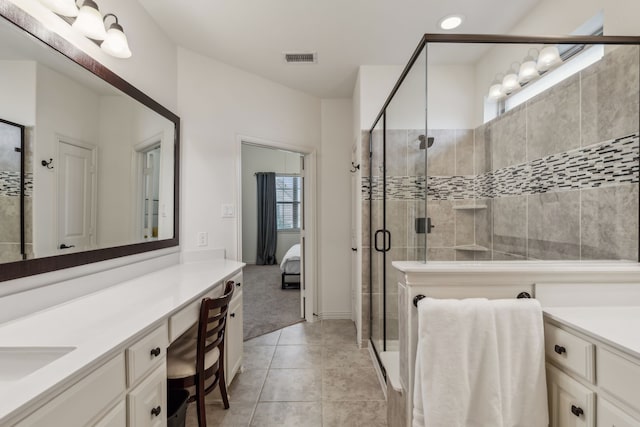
196, 357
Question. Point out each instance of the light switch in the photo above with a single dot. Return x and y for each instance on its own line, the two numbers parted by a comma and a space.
228, 211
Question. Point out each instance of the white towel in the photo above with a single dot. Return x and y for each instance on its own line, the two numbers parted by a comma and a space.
457, 382
480, 363
521, 354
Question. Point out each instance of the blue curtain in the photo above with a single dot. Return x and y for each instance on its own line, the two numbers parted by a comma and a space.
267, 221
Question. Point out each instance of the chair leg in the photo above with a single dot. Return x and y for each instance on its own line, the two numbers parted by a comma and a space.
222, 382
201, 410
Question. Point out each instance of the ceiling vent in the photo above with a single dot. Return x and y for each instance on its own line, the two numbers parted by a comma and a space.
300, 58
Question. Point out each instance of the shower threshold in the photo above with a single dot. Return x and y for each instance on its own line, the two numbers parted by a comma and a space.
391, 362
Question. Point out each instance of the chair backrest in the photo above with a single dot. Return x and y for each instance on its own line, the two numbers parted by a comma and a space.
211, 326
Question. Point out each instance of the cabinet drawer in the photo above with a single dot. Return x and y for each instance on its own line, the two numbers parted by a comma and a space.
570, 403
569, 351
619, 377
188, 316
237, 278
145, 354
148, 401
117, 417
611, 416
78, 405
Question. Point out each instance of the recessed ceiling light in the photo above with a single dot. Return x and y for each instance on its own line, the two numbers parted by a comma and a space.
450, 22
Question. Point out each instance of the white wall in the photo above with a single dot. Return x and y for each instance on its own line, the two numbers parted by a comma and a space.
18, 89
450, 88
260, 159
220, 103
334, 238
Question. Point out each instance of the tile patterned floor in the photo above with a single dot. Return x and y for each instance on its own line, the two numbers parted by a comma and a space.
305, 375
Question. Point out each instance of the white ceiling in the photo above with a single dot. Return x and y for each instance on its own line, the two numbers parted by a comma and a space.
253, 34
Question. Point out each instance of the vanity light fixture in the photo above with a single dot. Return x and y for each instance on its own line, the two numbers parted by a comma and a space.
529, 67
510, 82
450, 22
548, 58
115, 44
89, 21
62, 7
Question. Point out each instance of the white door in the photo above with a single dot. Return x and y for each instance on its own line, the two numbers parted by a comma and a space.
302, 241
75, 197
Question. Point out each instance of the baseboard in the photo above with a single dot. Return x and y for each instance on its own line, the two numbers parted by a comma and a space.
337, 315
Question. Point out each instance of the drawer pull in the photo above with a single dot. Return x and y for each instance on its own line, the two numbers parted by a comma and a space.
156, 411
559, 349
576, 410
232, 315
155, 352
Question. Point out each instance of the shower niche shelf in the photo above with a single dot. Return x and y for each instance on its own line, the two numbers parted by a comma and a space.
471, 248
469, 207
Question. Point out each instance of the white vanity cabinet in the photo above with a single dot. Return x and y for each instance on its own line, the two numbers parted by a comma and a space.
82, 403
233, 344
115, 373
589, 382
134, 382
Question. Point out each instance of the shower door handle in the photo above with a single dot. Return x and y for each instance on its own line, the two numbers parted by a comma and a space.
375, 240
386, 240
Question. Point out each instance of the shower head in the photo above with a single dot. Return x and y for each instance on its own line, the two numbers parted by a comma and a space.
429, 140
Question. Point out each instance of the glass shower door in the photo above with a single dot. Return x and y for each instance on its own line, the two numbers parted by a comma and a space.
377, 235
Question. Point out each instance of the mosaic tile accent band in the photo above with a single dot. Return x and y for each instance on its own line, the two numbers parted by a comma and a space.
10, 184
609, 163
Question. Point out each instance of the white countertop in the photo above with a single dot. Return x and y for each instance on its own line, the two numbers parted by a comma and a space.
98, 323
616, 326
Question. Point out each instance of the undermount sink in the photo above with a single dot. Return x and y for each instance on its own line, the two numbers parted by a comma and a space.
18, 362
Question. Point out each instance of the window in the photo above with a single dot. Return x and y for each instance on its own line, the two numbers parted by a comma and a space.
288, 194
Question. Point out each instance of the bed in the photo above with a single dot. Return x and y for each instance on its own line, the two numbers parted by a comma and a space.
290, 268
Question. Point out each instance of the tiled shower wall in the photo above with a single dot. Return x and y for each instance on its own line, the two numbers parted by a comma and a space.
10, 194
554, 178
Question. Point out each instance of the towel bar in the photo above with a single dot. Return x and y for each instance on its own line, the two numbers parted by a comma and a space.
418, 297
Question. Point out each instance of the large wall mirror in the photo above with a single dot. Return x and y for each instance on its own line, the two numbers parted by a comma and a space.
88, 163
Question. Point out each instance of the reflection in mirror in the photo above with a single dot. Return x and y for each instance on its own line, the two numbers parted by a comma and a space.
12, 193
98, 165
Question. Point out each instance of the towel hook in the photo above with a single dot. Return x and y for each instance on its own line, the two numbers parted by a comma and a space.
417, 298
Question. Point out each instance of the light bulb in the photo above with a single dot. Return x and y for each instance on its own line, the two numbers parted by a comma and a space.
115, 44
528, 71
510, 83
89, 21
548, 58
62, 7
495, 92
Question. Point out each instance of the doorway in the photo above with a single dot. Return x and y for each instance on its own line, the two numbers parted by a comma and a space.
274, 249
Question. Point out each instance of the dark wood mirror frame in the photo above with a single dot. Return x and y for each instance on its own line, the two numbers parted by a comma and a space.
14, 270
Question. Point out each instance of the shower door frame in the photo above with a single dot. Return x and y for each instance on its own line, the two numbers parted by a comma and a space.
23, 249
423, 45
